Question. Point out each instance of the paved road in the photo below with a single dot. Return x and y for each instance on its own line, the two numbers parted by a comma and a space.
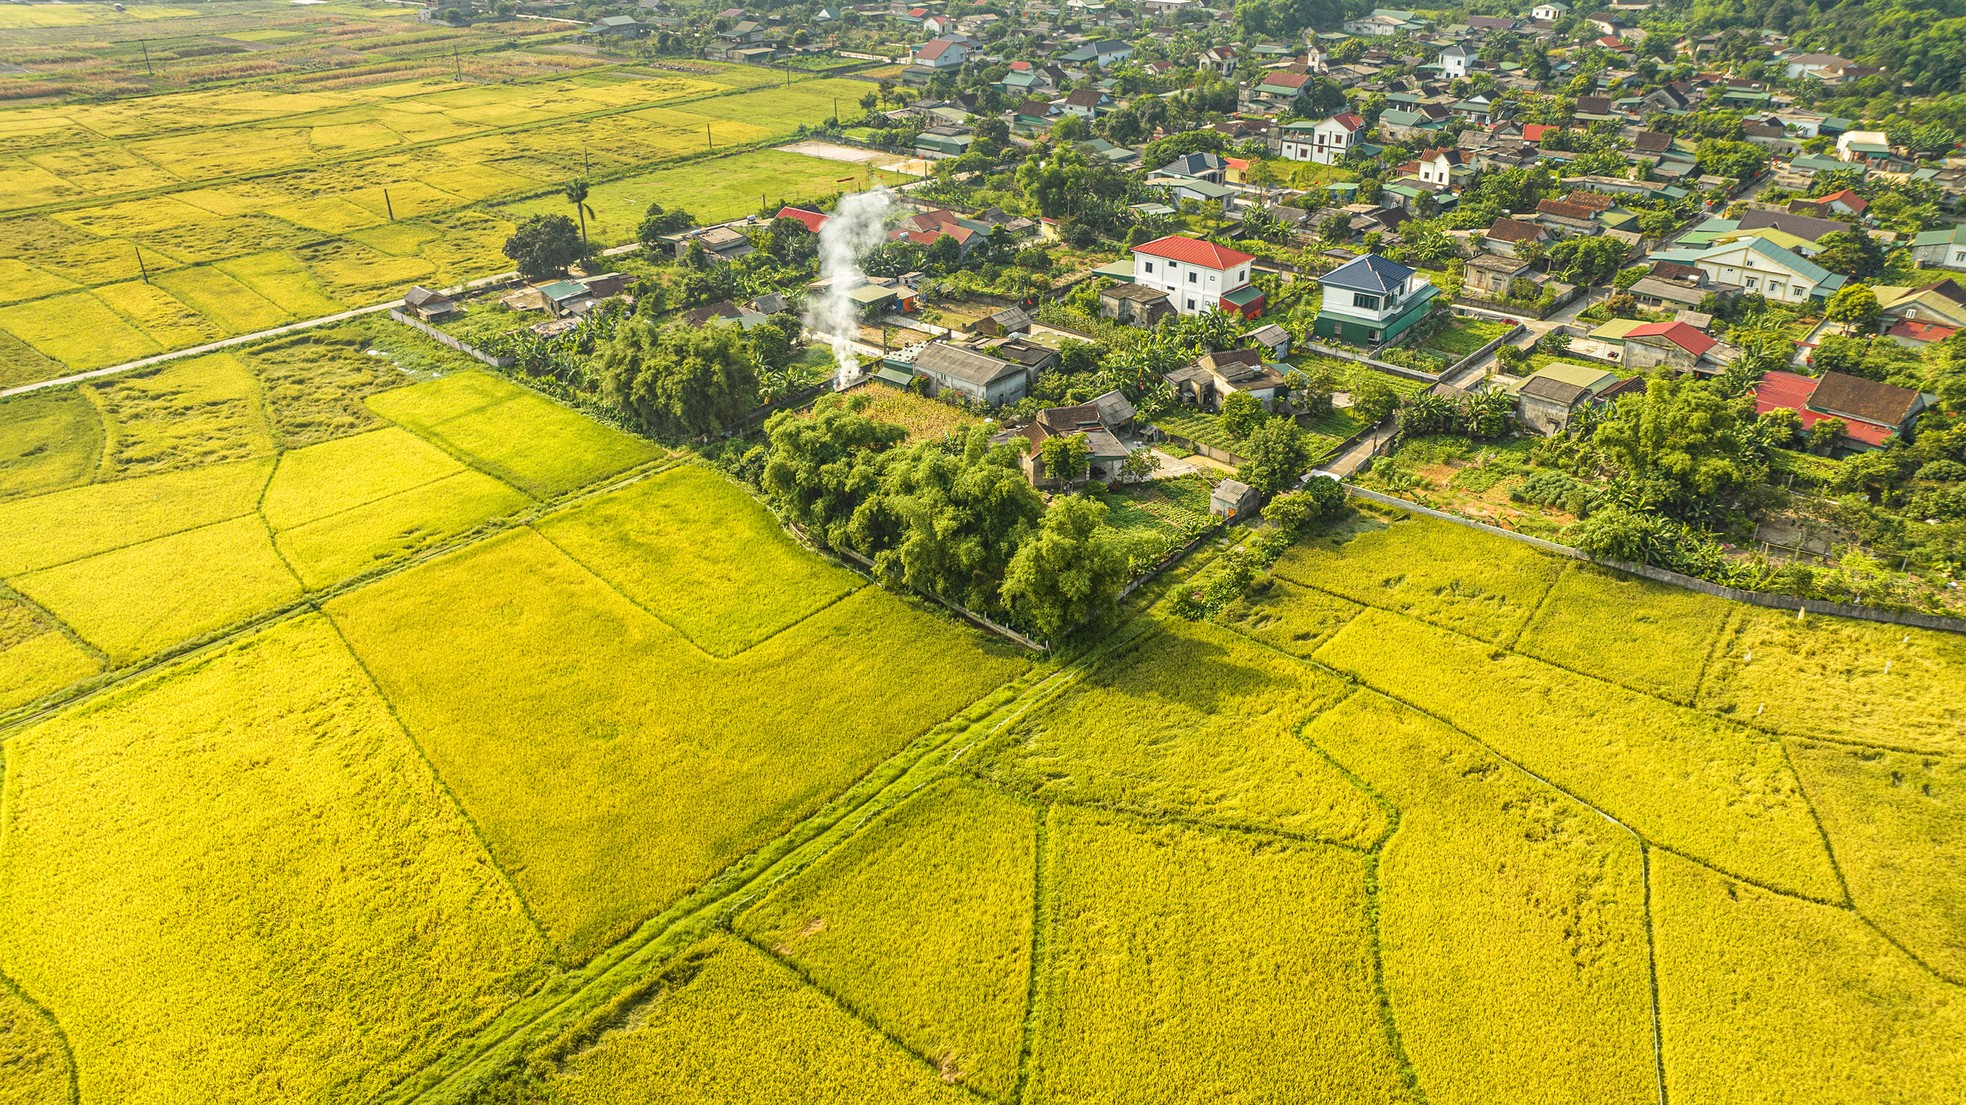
1533, 330
262, 335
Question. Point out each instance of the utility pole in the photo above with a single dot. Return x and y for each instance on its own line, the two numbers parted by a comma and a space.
706, 137
145, 44
459, 63
140, 265
390, 207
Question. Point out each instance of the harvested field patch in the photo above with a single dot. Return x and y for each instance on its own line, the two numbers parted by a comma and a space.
1289, 618
35, 659
1868, 683
731, 1025
184, 414
1898, 825
692, 548
235, 881
1452, 576
1184, 965
1722, 793
46, 530
561, 789
1192, 721
137, 601
49, 440
517, 435
339, 546
1782, 1002
1651, 637
949, 875
314, 384
1512, 920
34, 1066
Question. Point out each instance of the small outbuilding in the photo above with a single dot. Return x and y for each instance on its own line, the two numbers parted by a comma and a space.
1233, 499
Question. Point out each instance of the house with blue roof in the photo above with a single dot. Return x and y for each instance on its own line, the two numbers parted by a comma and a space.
1371, 301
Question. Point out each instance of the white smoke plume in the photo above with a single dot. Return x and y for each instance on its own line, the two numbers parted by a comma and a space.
858, 225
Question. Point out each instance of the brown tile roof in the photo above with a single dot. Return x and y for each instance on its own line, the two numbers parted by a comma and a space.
1512, 230
1855, 397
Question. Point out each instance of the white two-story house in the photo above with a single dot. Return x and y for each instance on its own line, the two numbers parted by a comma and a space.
1759, 267
1370, 301
1325, 142
1197, 276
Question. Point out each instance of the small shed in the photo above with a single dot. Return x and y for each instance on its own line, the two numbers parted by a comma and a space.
429, 304
1233, 499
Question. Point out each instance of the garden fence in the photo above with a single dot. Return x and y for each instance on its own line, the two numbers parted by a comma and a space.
1679, 579
442, 338
1383, 366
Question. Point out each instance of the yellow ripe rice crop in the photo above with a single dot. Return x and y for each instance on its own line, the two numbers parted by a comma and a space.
732, 1026
1868, 683
1453, 576
1721, 793
279, 277
1290, 618
35, 657
21, 363
33, 1067
229, 304
1205, 966
137, 601
235, 881
21, 281
326, 551
523, 438
691, 548
1767, 999
78, 330
49, 440
1649, 636
1898, 825
187, 413
560, 708
949, 876
1512, 921
1193, 721
52, 529
329, 478
169, 323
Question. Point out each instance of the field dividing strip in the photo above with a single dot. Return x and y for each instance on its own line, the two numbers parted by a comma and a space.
562, 1004
1541, 604
843, 1005
1388, 1018
1713, 649
1652, 968
47, 616
457, 804
6, 982
1163, 817
1041, 881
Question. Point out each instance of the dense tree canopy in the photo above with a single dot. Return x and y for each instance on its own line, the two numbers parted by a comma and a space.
680, 381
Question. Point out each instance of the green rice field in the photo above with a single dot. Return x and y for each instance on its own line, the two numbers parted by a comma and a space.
375, 729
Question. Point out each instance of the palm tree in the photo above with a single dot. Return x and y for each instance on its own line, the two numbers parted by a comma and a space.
576, 193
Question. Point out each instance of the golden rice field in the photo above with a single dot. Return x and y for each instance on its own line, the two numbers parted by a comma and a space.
152, 223
375, 729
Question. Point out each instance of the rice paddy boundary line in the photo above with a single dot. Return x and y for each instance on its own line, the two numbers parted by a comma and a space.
1541, 605
6, 982
1163, 817
1643, 844
183, 185
13, 722
409, 735
44, 615
1652, 968
1044, 856
665, 935
617, 971
839, 1002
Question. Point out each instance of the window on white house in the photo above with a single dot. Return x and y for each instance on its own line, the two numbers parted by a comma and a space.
1150, 266
1191, 305
1192, 278
1752, 281
1369, 302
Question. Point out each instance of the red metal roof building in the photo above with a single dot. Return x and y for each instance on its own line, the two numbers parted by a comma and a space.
813, 220
1687, 337
1793, 392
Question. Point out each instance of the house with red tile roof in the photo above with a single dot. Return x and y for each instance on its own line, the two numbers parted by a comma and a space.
1872, 413
1197, 276
1672, 345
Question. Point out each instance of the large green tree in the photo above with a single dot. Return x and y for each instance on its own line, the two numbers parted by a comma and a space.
544, 245
823, 466
1681, 446
1069, 574
1275, 454
679, 381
